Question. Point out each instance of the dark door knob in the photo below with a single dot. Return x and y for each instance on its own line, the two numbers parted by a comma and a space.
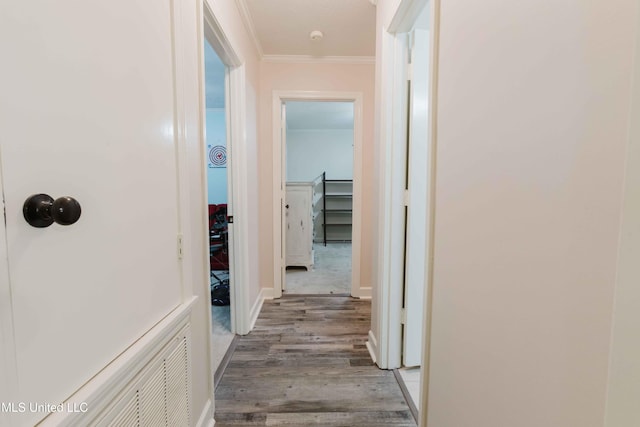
40, 210
287, 206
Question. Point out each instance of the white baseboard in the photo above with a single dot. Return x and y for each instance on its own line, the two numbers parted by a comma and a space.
268, 293
265, 293
206, 417
372, 346
364, 292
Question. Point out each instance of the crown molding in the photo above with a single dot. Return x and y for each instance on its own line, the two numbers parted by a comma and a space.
245, 14
309, 59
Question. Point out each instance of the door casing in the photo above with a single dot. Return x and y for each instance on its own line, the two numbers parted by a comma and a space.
235, 111
386, 347
279, 97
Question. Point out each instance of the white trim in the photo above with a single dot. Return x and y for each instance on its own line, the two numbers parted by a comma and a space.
364, 292
393, 94
265, 293
356, 213
309, 59
235, 81
372, 346
206, 417
187, 273
238, 154
214, 33
406, 15
100, 391
392, 166
255, 309
247, 20
434, 44
278, 149
277, 188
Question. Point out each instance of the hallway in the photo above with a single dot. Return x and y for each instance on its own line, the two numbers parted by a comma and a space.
305, 363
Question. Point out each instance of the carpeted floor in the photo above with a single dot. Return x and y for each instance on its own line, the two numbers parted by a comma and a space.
331, 273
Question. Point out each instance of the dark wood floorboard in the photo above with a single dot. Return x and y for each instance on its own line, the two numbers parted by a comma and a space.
306, 364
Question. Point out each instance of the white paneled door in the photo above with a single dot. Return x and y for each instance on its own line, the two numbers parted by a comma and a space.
418, 203
87, 110
283, 199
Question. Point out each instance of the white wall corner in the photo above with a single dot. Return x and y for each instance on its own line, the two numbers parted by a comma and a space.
206, 417
267, 293
243, 8
372, 346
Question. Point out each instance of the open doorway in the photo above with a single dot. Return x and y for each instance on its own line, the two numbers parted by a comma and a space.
406, 291
280, 100
218, 186
319, 168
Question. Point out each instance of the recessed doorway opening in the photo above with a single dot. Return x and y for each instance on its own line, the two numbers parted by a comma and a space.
280, 101
319, 196
218, 200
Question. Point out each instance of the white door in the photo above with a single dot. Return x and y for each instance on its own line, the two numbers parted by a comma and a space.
87, 111
417, 208
283, 201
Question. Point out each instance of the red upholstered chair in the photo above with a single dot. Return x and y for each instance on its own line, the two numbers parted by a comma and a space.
218, 241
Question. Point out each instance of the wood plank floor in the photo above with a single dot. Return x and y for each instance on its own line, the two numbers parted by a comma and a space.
305, 363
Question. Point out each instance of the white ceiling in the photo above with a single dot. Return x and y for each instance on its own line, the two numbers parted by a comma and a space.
282, 27
214, 78
319, 115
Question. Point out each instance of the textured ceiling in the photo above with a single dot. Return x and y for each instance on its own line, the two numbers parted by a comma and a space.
319, 115
282, 27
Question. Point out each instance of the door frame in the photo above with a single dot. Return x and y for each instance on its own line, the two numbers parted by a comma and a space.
393, 131
279, 178
235, 117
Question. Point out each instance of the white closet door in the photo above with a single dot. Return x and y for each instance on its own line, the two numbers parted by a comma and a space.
87, 110
417, 210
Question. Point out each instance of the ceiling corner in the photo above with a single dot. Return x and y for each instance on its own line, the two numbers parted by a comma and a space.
245, 14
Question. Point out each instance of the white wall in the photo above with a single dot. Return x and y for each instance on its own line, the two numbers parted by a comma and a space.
216, 136
313, 77
313, 151
226, 13
623, 396
533, 110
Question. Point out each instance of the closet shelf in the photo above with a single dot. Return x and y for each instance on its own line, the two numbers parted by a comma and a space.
337, 209
345, 211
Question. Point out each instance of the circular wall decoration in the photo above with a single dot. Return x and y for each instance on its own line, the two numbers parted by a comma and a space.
218, 155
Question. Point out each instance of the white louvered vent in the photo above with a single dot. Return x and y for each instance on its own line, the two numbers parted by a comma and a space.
153, 400
159, 396
129, 416
177, 369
